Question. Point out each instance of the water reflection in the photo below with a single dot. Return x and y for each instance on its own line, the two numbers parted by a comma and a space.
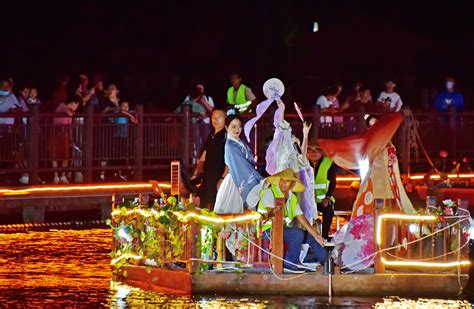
71, 268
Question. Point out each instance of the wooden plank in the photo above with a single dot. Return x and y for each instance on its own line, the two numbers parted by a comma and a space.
277, 240
378, 208
157, 277
317, 284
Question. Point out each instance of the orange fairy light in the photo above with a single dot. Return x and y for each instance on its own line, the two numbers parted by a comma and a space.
84, 188
412, 177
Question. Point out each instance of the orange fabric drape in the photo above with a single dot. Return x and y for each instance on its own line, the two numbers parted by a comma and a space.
348, 151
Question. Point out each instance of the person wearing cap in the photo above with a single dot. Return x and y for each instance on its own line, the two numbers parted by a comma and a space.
281, 194
389, 100
324, 184
240, 96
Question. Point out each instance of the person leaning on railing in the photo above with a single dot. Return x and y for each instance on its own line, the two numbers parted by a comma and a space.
111, 104
280, 197
122, 133
60, 141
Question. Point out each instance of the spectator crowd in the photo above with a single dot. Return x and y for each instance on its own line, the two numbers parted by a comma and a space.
72, 95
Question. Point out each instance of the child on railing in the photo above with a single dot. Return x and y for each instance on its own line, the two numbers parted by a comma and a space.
281, 195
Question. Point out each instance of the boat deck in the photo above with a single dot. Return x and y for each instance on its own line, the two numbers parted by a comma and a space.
251, 283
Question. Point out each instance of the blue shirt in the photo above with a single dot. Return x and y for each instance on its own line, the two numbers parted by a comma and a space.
122, 126
8, 104
445, 99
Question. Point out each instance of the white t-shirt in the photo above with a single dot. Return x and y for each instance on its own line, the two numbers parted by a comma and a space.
197, 108
323, 102
394, 101
268, 201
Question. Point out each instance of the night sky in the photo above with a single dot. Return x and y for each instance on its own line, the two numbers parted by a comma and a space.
156, 50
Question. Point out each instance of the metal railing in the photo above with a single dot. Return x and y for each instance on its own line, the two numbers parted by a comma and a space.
96, 143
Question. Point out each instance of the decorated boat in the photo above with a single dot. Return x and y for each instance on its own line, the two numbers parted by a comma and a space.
159, 246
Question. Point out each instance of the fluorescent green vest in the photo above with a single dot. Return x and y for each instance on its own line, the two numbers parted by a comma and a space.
240, 102
321, 183
289, 214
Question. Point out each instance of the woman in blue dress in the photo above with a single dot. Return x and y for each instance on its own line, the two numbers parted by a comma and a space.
240, 184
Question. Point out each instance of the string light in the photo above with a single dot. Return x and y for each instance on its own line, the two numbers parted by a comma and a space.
425, 264
146, 213
400, 217
125, 256
412, 177
82, 188
412, 263
184, 217
219, 220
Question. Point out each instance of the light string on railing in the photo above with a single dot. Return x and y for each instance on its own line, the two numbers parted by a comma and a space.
465, 263
400, 245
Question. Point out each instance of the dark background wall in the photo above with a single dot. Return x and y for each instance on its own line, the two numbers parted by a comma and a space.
155, 50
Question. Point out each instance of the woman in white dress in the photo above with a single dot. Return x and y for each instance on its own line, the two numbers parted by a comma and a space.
240, 184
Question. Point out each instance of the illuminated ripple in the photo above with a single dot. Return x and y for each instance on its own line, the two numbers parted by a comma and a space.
72, 269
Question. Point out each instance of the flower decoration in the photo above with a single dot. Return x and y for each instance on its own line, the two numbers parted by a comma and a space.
224, 234
449, 203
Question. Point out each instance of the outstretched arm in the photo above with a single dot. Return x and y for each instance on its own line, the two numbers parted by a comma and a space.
282, 106
304, 222
304, 146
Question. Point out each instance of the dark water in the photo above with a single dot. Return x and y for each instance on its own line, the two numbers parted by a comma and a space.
70, 268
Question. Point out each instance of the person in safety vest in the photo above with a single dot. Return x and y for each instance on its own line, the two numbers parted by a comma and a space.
324, 184
240, 96
280, 197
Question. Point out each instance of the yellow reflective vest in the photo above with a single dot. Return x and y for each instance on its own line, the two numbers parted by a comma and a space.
321, 182
240, 101
289, 214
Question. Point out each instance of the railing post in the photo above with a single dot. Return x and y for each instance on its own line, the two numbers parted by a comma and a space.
277, 240
316, 122
378, 264
361, 127
139, 145
33, 151
193, 247
88, 143
453, 125
405, 141
186, 140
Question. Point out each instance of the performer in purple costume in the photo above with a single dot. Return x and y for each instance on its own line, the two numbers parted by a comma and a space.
286, 151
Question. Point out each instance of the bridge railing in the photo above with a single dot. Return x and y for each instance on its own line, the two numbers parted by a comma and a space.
95, 143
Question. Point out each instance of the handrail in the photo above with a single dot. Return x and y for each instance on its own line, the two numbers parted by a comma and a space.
161, 137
